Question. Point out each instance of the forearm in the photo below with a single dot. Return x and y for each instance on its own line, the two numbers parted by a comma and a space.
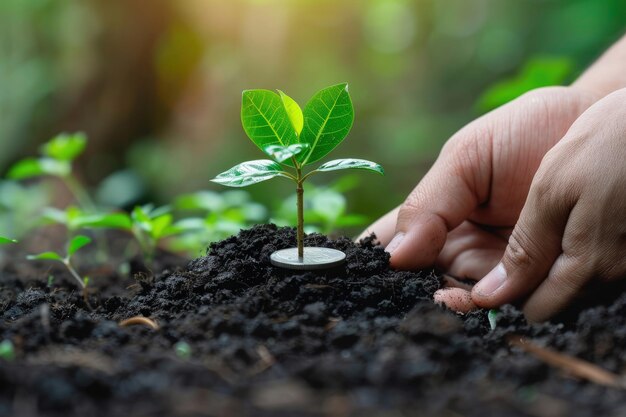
608, 73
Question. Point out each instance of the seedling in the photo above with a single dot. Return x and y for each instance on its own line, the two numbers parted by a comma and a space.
492, 316
56, 160
294, 139
7, 351
5, 240
76, 243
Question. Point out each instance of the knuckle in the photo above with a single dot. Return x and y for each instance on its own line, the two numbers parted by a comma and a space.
520, 251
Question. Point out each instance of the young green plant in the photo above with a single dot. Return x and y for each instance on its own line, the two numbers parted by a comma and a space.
75, 244
294, 139
56, 160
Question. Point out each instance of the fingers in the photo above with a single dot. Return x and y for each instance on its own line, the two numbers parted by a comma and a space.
564, 282
471, 251
383, 228
534, 244
446, 196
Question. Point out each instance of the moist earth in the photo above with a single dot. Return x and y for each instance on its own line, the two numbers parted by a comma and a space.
238, 336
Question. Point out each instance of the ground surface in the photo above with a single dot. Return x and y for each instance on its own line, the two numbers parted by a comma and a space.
240, 337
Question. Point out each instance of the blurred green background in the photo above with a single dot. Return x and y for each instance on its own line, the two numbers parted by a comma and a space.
156, 84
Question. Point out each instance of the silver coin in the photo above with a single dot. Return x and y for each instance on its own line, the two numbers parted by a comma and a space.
314, 258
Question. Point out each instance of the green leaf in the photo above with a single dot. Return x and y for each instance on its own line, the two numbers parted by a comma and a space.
201, 200
538, 72
293, 111
31, 167
4, 240
328, 118
52, 256
65, 147
159, 226
337, 164
265, 119
251, 172
76, 243
108, 220
283, 153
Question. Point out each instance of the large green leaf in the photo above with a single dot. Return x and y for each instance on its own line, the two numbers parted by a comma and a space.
251, 172
328, 118
265, 119
338, 164
293, 111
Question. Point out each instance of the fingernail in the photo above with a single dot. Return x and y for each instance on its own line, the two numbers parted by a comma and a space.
492, 281
395, 242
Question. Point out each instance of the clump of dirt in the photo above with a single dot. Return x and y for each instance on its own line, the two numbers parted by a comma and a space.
238, 336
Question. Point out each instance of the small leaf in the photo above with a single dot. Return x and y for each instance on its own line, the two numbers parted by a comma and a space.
109, 220
337, 164
265, 119
51, 256
65, 147
76, 243
140, 216
4, 240
293, 111
31, 167
248, 173
54, 215
159, 226
202, 200
328, 118
283, 153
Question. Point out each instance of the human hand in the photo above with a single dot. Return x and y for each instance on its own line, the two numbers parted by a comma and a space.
572, 228
460, 214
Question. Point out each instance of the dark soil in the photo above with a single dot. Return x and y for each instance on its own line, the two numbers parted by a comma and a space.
240, 337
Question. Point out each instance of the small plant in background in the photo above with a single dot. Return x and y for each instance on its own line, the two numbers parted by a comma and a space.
56, 160
215, 216
492, 316
325, 208
7, 351
294, 138
75, 244
5, 240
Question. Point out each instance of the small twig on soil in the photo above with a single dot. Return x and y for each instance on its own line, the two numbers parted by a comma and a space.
139, 320
267, 360
332, 322
576, 367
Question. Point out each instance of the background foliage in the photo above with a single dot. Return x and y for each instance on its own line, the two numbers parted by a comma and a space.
156, 84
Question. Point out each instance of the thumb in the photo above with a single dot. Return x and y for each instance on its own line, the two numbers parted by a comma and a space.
444, 198
533, 247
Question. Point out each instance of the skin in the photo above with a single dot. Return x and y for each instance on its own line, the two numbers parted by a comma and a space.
528, 200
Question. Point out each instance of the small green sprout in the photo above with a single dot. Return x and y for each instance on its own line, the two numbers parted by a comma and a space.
492, 316
149, 226
183, 350
5, 240
7, 351
294, 139
56, 160
76, 243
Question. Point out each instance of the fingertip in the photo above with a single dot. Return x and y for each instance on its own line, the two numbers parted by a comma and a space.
419, 246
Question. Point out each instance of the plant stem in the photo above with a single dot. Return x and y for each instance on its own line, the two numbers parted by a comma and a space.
82, 197
300, 234
73, 272
300, 207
